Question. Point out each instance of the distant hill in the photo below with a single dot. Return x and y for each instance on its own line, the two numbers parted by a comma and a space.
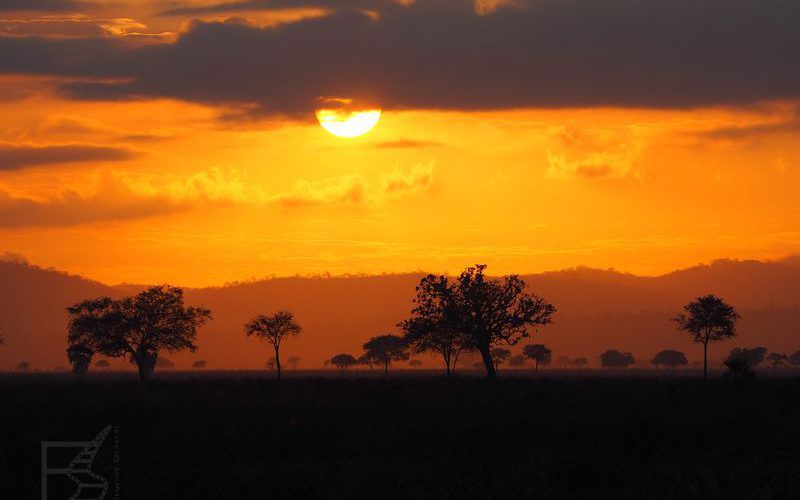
597, 310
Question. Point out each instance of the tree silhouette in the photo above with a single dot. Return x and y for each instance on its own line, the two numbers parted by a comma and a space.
777, 359
366, 361
24, 366
415, 363
539, 353
271, 364
80, 357
487, 311
199, 364
708, 319
615, 359
753, 355
343, 362
138, 326
670, 358
738, 363
384, 349
794, 359
580, 362
294, 361
499, 356
275, 329
432, 326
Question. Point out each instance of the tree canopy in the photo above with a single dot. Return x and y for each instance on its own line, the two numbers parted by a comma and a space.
616, 359
139, 326
539, 353
343, 361
708, 319
671, 358
274, 329
476, 311
384, 349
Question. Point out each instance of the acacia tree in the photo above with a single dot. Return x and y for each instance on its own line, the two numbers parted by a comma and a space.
343, 361
80, 358
384, 349
294, 361
708, 319
139, 326
670, 358
539, 353
615, 359
432, 326
275, 329
487, 312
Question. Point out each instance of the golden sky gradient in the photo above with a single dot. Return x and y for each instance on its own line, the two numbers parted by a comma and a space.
162, 189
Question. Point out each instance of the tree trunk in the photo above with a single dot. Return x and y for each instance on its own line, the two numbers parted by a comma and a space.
488, 362
536, 370
386, 369
705, 360
278, 362
142, 370
446, 357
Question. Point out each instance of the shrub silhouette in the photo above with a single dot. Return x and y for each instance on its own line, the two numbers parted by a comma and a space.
294, 361
274, 329
708, 319
794, 359
615, 359
199, 364
580, 362
670, 358
539, 353
415, 363
103, 364
138, 326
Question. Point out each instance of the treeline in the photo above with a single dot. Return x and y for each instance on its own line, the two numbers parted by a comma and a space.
471, 314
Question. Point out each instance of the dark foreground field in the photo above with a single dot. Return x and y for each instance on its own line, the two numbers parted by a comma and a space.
245, 437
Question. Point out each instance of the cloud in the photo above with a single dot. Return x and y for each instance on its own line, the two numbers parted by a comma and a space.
16, 157
43, 5
119, 196
419, 178
347, 190
786, 125
442, 54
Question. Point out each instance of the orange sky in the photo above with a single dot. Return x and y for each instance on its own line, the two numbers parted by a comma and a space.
161, 189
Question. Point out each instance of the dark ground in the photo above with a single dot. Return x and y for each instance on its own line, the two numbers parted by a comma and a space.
243, 437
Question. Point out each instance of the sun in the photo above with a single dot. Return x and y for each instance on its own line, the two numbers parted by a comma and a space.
342, 118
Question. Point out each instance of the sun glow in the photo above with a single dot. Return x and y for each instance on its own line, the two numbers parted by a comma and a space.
340, 119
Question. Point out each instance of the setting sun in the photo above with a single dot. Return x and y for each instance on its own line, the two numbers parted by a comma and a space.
340, 119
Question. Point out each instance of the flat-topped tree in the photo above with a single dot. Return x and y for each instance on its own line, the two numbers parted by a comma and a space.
539, 353
384, 349
343, 361
139, 326
274, 329
708, 319
670, 358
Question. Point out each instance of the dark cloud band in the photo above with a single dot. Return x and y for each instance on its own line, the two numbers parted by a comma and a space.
440, 54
